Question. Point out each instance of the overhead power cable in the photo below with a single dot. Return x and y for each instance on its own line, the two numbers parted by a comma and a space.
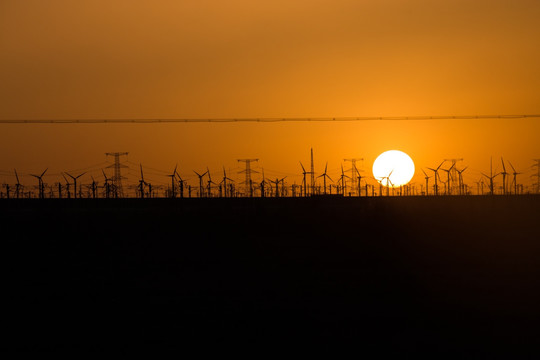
264, 120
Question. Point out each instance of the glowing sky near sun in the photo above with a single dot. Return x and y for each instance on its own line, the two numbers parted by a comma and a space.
240, 58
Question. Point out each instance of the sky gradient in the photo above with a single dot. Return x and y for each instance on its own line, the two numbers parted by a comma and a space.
235, 59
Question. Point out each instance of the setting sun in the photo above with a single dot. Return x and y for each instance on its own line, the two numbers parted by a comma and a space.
393, 168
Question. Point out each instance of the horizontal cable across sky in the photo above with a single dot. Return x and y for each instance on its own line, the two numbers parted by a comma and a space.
263, 120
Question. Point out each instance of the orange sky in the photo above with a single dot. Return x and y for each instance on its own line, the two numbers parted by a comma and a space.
220, 59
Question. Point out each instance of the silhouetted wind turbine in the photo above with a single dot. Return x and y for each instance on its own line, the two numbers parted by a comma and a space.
75, 181
304, 183
342, 179
263, 184
491, 177
277, 181
209, 182
201, 187
107, 185
324, 175
224, 181
388, 182
94, 187
17, 185
460, 179
172, 176
504, 173
448, 182
435, 176
142, 182
181, 183
40, 183
427, 181
514, 180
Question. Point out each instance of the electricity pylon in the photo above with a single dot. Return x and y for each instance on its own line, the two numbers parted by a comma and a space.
117, 178
354, 171
248, 171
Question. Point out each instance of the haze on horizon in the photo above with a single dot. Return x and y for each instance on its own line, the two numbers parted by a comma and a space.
210, 59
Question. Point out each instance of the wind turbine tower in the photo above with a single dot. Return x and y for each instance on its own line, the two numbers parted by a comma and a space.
117, 178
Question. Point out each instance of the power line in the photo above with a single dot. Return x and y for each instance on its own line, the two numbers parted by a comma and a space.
265, 120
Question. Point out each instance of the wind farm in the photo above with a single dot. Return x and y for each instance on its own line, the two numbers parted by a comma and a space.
272, 176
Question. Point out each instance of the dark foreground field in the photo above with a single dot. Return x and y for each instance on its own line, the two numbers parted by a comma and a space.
456, 275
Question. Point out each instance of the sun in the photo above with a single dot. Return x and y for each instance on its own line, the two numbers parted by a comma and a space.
393, 168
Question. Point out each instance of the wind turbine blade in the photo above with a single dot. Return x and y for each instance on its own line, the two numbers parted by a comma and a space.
43, 173
514, 170
440, 165
326, 167
424, 172
16, 176
504, 168
329, 178
304, 170
197, 174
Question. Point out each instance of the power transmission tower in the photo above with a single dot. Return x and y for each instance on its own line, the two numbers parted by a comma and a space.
537, 175
248, 171
354, 174
117, 178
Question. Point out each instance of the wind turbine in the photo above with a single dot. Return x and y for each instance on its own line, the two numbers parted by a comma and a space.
107, 185
17, 185
172, 176
342, 179
201, 187
324, 175
209, 182
180, 184
277, 181
448, 178
435, 176
67, 186
504, 173
359, 177
491, 177
94, 187
263, 185
40, 183
427, 182
142, 183
388, 182
304, 183
75, 181
514, 180
460, 179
